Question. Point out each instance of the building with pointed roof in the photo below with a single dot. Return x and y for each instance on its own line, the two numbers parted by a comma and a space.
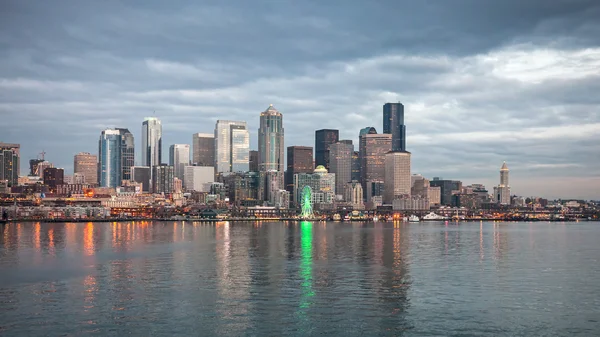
271, 141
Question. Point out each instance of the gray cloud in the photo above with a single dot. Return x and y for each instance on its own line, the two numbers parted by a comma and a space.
482, 81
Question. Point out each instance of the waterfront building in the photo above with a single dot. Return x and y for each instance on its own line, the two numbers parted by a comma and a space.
151, 142
273, 182
393, 124
232, 146
340, 163
245, 188
282, 199
162, 179
9, 163
86, 165
375, 148
109, 154
254, 158
447, 189
127, 153
141, 175
198, 178
435, 195
203, 148
179, 158
320, 181
397, 176
353, 194
299, 160
410, 203
502, 192
53, 177
270, 141
323, 139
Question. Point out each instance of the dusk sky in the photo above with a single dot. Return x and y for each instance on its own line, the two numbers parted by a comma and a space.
482, 81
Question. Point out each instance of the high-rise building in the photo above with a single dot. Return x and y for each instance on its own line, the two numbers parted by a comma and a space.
270, 141
447, 189
299, 160
232, 146
127, 153
502, 192
340, 163
162, 179
179, 158
362, 155
353, 194
355, 166
320, 181
151, 142
393, 124
198, 178
109, 155
203, 147
273, 182
254, 159
141, 175
53, 177
397, 176
323, 139
9, 163
419, 186
43, 165
375, 147
86, 164
33, 167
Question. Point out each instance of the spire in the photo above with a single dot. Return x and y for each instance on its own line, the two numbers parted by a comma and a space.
504, 167
271, 111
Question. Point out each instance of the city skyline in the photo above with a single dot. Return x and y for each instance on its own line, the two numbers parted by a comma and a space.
521, 94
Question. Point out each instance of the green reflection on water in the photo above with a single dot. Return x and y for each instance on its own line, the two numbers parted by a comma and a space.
306, 263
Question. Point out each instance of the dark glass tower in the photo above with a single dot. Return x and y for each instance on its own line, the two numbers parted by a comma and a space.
393, 123
127, 153
324, 138
299, 160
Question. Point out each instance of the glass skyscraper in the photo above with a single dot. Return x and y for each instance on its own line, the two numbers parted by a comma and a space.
151, 142
393, 123
127, 153
179, 158
270, 141
232, 146
323, 139
109, 154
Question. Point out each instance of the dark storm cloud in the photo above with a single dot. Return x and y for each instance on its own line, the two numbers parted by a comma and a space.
482, 81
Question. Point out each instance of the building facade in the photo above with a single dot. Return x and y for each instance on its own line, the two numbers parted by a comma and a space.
355, 166
354, 194
86, 164
340, 163
127, 153
162, 179
299, 160
109, 155
323, 139
270, 141
374, 149
321, 182
232, 146
447, 189
393, 124
397, 176
203, 148
198, 178
54, 177
151, 142
141, 175
254, 158
179, 158
10, 163
502, 192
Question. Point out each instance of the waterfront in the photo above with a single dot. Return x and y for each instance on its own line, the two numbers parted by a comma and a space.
300, 278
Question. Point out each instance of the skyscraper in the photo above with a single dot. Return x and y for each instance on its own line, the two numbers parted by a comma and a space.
162, 179
141, 174
203, 147
179, 158
86, 164
127, 153
324, 138
362, 155
109, 154
397, 176
151, 142
254, 159
9, 163
375, 147
232, 146
340, 163
447, 189
299, 160
270, 141
502, 192
393, 123
355, 166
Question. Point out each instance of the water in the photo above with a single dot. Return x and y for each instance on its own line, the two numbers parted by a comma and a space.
274, 279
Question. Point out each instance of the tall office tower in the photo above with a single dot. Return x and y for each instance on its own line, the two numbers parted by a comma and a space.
179, 158
362, 154
109, 154
502, 192
299, 160
397, 176
9, 163
127, 153
324, 138
86, 164
447, 189
151, 142
53, 177
355, 166
340, 163
270, 141
141, 174
375, 147
393, 123
232, 146
203, 148
254, 159
162, 179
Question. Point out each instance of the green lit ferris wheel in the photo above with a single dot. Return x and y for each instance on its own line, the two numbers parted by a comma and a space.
306, 203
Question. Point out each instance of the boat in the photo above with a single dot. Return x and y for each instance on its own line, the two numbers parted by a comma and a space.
337, 217
375, 218
434, 217
413, 218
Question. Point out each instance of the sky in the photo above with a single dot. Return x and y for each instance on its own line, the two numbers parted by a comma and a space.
482, 82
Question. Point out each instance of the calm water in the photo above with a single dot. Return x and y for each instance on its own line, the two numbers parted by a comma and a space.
273, 279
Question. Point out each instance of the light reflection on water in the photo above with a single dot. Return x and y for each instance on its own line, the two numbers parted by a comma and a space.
270, 278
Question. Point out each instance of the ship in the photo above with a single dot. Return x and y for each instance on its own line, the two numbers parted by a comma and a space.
413, 218
433, 217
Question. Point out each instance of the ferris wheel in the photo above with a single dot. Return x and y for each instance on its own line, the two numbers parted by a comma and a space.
306, 203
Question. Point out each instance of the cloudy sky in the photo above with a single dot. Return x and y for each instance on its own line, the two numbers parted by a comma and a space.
482, 81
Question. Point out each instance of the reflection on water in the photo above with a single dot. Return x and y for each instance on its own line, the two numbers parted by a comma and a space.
270, 278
